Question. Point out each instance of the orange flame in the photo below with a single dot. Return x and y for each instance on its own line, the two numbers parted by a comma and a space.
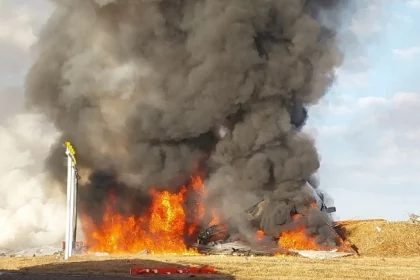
215, 218
160, 232
298, 238
260, 235
198, 185
164, 229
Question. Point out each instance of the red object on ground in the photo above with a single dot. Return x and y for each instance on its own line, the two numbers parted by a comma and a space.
172, 270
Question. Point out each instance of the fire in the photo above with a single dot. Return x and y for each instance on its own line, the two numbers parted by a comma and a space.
167, 223
198, 186
297, 239
166, 226
260, 235
159, 232
215, 217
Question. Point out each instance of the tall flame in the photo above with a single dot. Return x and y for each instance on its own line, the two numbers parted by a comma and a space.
159, 232
198, 186
215, 217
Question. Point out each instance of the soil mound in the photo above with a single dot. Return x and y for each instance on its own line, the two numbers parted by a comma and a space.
383, 238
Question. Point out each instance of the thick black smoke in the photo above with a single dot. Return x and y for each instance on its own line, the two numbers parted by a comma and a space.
147, 89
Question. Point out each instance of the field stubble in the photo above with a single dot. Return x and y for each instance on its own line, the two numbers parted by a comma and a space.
229, 267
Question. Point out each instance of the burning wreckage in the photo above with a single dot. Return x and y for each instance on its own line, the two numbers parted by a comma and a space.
141, 89
228, 230
227, 236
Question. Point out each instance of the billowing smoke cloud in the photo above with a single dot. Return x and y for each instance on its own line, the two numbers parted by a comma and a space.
147, 89
32, 210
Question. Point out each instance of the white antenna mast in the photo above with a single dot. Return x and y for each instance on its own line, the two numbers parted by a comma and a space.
71, 200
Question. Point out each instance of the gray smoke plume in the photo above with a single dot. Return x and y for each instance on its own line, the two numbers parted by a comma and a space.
147, 89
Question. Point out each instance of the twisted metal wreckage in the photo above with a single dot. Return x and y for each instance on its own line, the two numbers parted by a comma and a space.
223, 237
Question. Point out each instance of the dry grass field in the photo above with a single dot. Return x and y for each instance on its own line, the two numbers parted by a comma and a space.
385, 239
387, 251
230, 267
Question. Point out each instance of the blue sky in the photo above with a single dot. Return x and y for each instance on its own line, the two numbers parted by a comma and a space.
366, 128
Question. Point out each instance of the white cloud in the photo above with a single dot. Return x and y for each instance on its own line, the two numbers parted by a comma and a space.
332, 130
365, 27
404, 18
357, 63
367, 21
353, 204
334, 104
403, 112
407, 53
413, 3
375, 157
369, 102
348, 79
393, 118
360, 62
